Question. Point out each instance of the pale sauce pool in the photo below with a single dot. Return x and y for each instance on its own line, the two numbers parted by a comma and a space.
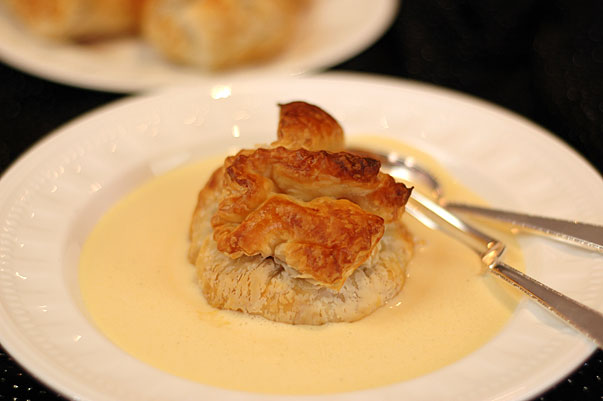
141, 292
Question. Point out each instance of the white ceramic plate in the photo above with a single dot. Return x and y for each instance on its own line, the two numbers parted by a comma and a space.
333, 31
51, 198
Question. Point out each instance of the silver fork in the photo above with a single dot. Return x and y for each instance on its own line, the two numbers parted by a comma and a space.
584, 319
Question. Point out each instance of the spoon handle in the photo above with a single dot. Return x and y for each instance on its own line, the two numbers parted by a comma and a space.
588, 236
584, 319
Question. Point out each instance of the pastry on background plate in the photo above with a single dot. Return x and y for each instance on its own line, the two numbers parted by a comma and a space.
217, 34
78, 19
208, 34
299, 234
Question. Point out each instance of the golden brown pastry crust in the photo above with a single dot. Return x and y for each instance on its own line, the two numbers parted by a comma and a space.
251, 176
300, 236
315, 185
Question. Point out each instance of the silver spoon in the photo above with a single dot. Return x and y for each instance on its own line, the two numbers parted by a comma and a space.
584, 235
586, 320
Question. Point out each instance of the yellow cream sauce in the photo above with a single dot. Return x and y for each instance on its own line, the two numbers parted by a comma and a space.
141, 292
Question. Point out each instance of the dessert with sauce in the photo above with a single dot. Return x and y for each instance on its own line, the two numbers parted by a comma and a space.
139, 289
301, 231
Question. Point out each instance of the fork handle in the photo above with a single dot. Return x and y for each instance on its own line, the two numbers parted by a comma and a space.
588, 236
584, 319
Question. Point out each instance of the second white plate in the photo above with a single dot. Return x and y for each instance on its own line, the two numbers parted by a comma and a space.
333, 31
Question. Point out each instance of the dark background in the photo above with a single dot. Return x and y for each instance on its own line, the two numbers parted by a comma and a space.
541, 59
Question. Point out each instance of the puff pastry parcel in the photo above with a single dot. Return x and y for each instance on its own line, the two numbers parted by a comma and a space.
299, 234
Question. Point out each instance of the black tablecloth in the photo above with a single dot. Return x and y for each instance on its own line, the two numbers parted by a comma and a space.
541, 59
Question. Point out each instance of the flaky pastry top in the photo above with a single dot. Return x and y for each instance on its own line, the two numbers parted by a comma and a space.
319, 212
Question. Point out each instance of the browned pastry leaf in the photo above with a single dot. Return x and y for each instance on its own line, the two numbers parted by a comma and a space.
303, 125
324, 239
